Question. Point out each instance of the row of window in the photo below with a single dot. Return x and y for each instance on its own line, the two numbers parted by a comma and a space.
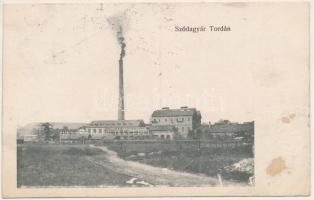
94, 130
172, 120
163, 136
141, 133
110, 132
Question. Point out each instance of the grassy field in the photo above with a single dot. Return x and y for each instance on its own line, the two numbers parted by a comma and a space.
187, 158
62, 165
80, 165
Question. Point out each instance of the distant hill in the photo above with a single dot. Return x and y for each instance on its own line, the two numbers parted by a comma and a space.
31, 128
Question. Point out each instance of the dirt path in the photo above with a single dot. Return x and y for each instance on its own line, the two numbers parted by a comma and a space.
146, 175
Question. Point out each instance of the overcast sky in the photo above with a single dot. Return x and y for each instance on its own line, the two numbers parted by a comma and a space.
65, 60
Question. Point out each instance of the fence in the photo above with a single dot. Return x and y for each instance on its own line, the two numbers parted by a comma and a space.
178, 145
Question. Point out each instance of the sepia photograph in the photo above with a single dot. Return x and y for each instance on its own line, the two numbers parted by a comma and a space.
154, 95
168, 146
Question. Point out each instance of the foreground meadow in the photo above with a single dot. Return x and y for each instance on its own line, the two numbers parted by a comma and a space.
63, 165
53, 165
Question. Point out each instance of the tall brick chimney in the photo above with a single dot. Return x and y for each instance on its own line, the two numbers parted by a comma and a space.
121, 91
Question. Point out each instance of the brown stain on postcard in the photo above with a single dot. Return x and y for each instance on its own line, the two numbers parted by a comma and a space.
276, 166
288, 119
285, 120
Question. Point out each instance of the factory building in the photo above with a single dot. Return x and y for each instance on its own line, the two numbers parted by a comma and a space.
118, 129
184, 119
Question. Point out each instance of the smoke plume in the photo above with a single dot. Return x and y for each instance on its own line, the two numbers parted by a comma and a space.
117, 26
121, 42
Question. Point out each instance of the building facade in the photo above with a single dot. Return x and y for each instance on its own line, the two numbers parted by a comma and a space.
184, 119
163, 132
225, 128
118, 129
70, 135
30, 138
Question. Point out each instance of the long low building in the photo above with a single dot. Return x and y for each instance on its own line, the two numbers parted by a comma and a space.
30, 138
118, 129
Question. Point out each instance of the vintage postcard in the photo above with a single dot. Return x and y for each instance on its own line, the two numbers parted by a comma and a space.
134, 99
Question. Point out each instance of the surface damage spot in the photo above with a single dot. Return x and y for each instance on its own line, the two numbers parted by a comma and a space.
287, 119
276, 166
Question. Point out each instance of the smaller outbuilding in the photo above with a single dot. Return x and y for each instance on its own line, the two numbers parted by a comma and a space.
163, 132
30, 138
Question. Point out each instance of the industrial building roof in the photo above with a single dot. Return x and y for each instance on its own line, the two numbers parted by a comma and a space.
118, 123
166, 112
